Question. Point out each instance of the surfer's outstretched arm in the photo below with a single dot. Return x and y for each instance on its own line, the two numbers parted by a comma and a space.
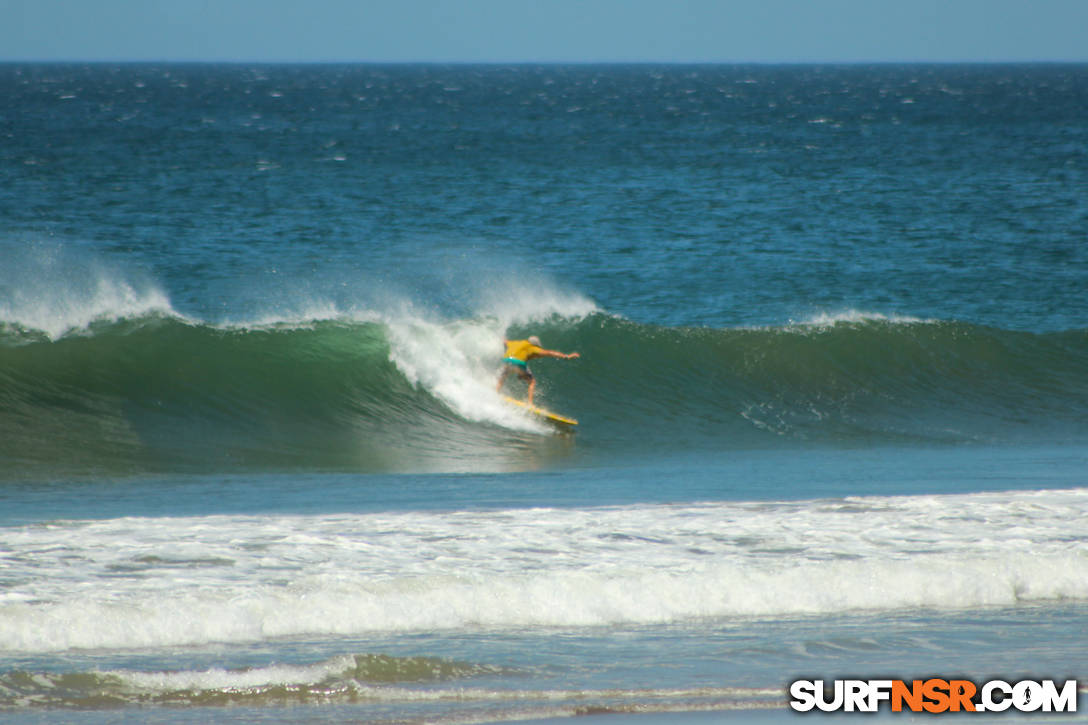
560, 355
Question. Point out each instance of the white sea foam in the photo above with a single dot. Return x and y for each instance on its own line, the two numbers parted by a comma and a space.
852, 316
523, 303
218, 678
459, 364
158, 582
56, 291
458, 361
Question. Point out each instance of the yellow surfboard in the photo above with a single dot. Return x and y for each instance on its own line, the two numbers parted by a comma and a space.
546, 414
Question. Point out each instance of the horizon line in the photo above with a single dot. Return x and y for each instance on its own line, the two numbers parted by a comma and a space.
254, 61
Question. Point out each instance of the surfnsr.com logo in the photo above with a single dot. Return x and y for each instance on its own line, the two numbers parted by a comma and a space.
933, 695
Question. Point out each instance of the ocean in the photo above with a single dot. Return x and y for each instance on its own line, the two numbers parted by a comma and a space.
832, 389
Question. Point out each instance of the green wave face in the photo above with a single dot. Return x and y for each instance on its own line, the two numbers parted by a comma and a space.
867, 380
162, 393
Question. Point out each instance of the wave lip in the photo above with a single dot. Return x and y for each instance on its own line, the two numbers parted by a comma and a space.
823, 320
54, 291
103, 303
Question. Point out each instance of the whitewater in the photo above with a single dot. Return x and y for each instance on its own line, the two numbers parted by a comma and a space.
192, 581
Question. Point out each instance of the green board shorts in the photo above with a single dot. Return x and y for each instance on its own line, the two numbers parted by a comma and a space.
521, 366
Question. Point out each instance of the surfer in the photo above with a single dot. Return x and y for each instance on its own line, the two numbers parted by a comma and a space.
518, 355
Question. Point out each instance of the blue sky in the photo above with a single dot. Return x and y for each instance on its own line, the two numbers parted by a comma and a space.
546, 30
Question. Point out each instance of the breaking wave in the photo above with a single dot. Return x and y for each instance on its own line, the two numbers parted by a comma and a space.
156, 390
